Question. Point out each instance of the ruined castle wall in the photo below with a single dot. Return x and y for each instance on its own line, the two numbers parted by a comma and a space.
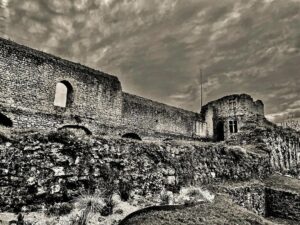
29, 78
230, 108
26, 120
283, 145
149, 115
237, 105
42, 169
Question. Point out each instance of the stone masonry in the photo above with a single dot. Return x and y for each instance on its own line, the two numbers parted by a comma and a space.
95, 100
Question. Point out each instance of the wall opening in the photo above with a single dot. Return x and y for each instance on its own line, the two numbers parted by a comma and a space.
219, 131
132, 136
63, 94
76, 127
233, 126
5, 121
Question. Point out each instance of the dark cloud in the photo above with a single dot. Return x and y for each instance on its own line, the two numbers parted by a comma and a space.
157, 47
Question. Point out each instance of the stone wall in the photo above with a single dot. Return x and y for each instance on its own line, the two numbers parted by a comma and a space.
26, 120
233, 105
230, 108
283, 204
277, 196
250, 196
29, 78
36, 170
144, 114
28, 85
282, 145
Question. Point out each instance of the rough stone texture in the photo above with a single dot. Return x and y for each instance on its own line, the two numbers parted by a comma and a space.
27, 91
282, 145
249, 196
153, 116
283, 204
229, 108
29, 78
38, 170
285, 149
277, 196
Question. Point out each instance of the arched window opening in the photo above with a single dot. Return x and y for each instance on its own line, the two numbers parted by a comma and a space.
219, 136
63, 94
5, 121
233, 126
132, 136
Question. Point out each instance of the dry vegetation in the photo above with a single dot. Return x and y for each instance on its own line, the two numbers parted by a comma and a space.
104, 209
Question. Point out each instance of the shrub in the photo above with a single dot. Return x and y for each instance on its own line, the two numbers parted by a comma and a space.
63, 136
109, 206
60, 209
165, 197
95, 202
125, 190
194, 193
89, 204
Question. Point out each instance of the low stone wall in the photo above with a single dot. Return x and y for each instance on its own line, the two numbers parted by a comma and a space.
283, 204
251, 197
278, 196
36, 170
155, 209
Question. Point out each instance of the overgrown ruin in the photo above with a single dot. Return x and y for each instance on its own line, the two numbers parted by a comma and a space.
64, 127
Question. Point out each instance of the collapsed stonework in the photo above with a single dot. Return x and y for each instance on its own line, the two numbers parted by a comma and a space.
40, 169
41, 91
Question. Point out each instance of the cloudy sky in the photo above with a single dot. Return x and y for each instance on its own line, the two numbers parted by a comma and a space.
156, 47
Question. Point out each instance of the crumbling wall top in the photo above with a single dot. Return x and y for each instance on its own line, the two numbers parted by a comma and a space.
41, 57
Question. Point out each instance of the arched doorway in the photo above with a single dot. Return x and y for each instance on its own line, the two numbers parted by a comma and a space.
219, 135
5, 121
63, 94
132, 136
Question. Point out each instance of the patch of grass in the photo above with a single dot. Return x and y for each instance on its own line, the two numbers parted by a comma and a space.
62, 136
95, 202
284, 182
221, 211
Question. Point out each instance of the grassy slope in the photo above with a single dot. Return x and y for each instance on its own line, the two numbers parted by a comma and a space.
221, 211
284, 183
